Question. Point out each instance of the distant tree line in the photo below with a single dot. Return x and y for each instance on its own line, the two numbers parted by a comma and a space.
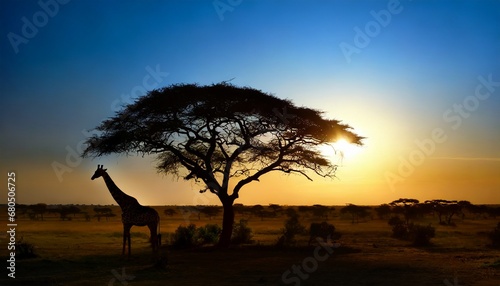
38, 211
446, 212
42, 211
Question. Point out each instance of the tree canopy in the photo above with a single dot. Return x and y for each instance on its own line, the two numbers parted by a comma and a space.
221, 133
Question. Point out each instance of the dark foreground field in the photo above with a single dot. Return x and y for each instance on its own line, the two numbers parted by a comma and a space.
79, 252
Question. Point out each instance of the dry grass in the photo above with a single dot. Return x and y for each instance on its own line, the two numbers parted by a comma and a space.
78, 252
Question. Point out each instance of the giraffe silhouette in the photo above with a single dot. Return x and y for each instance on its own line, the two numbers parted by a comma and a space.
133, 213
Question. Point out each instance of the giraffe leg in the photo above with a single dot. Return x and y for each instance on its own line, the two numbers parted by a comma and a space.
153, 236
129, 243
126, 238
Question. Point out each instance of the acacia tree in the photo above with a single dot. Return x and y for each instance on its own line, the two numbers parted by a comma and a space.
447, 209
222, 136
383, 210
407, 207
355, 211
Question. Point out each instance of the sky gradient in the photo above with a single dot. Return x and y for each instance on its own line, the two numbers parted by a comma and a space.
419, 79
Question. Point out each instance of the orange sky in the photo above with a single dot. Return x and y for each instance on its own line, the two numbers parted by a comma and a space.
361, 179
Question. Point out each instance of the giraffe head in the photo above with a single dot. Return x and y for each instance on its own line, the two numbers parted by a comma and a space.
99, 172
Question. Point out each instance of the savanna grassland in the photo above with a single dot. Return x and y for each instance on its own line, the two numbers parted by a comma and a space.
81, 252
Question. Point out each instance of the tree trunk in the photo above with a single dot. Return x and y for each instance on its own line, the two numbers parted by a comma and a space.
449, 218
227, 223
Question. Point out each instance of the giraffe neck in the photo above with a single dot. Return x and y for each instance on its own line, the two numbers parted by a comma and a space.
124, 200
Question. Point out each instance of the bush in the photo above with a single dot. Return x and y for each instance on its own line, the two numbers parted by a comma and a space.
418, 234
421, 235
191, 236
494, 236
399, 228
242, 233
25, 250
291, 229
324, 231
208, 234
185, 237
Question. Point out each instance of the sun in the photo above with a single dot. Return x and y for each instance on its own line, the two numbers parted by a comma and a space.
339, 150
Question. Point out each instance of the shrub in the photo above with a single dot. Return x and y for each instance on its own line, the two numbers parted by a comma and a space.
291, 229
494, 236
399, 228
418, 234
191, 236
25, 250
421, 235
242, 233
323, 230
208, 234
185, 236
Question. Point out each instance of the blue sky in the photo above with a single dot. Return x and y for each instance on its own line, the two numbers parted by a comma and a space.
89, 55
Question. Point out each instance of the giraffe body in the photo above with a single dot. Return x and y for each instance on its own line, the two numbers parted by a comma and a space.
133, 213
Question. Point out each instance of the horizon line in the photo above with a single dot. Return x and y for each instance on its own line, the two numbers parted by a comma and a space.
187, 205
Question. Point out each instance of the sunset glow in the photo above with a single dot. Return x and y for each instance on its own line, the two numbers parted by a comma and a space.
340, 150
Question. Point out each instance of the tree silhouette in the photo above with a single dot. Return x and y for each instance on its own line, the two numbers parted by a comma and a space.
438, 207
407, 207
64, 211
276, 209
356, 212
240, 208
383, 211
170, 212
447, 209
210, 211
222, 136
321, 211
478, 210
258, 210
38, 210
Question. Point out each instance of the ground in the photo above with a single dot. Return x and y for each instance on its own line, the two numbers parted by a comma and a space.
80, 252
